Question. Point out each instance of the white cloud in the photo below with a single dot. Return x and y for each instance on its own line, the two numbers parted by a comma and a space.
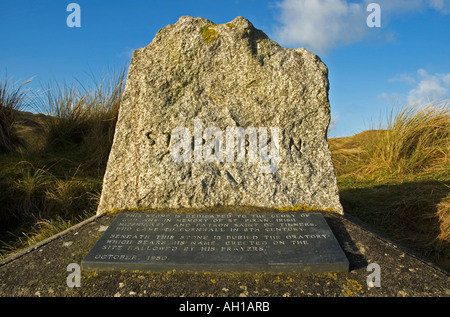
430, 88
393, 98
440, 5
446, 79
425, 87
320, 25
403, 78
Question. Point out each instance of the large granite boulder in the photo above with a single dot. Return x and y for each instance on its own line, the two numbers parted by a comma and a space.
220, 115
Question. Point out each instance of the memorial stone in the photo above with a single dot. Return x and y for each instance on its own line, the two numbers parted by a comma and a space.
220, 115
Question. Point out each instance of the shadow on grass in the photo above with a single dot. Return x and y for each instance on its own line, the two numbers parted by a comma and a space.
408, 213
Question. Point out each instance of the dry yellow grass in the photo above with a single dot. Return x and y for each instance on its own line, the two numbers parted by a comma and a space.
398, 178
444, 216
349, 153
416, 141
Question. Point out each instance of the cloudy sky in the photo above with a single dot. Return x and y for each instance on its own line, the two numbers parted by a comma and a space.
371, 69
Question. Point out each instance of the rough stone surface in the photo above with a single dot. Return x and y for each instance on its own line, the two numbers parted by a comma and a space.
228, 76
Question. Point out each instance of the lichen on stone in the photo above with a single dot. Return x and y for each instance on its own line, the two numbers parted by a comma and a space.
209, 33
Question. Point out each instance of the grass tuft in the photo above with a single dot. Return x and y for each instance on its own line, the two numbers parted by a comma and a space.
59, 181
12, 99
42, 230
416, 141
80, 116
397, 178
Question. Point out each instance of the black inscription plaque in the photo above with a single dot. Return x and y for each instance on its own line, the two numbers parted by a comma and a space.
279, 242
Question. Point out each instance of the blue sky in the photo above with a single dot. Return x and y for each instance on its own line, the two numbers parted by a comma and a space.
371, 70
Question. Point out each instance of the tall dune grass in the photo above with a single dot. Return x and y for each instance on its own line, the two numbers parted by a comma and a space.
86, 117
396, 177
12, 98
59, 182
416, 141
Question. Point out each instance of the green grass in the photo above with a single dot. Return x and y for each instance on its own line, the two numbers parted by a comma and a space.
43, 188
12, 99
397, 178
57, 181
41, 230
407, 211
